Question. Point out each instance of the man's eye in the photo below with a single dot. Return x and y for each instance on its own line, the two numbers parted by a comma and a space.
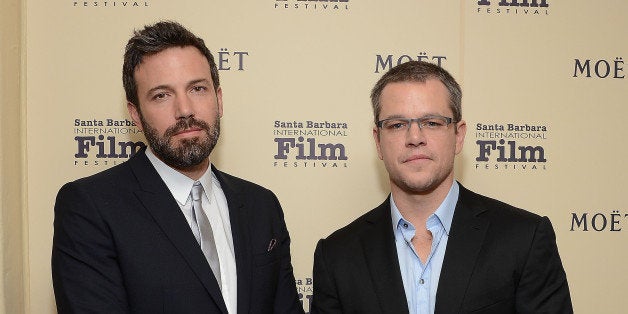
199, 88
395, 125
159, 96
433, 123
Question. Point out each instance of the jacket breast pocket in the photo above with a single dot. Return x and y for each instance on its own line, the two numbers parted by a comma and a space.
266, 258
265, 273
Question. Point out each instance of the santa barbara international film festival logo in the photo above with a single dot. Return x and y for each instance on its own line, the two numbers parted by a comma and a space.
509, 147
312, 5
513, 7
105, 142
310, 144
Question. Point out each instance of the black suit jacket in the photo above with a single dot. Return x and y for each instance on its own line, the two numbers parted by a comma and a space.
499, 259
122, 245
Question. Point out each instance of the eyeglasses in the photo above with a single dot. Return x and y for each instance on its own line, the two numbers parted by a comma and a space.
433, 123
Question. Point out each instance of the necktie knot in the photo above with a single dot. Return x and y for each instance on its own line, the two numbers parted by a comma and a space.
197, 191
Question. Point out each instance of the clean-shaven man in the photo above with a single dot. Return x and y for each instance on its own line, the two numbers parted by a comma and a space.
433, 246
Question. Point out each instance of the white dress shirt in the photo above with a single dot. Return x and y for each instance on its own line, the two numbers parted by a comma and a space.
215, 206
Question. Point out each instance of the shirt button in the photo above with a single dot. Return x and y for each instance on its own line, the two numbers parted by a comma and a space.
421, 281
405, 225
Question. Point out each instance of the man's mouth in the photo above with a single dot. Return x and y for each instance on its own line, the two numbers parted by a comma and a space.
416, 157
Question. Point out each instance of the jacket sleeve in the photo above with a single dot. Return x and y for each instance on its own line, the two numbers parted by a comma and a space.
85, 273
286, 298
325, 299
543, 285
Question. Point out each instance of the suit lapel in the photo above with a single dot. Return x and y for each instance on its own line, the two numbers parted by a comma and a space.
241, 237
158, 201
380, 253
465, 241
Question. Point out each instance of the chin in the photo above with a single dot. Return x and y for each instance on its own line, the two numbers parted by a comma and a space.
423, 185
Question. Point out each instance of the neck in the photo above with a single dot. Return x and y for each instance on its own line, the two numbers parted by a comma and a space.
418, 206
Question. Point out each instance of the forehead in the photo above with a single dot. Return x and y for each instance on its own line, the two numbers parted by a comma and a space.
415, 98
172, 64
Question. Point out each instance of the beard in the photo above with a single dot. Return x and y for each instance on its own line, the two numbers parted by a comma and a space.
189, 152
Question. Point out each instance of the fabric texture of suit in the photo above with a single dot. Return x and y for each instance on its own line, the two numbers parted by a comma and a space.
499, 259
122, 245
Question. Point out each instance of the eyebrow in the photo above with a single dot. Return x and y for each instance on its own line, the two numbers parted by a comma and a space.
395, 116
429, 115
168, 87
203, 80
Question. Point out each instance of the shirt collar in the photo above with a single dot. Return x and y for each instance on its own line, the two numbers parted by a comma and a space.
444, 213
179, 184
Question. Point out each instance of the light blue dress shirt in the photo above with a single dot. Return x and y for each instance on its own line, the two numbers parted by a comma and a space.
420, 281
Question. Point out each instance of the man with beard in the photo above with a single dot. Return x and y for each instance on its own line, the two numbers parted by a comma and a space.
166, 232
433, 246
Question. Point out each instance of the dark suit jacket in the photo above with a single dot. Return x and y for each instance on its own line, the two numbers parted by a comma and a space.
499, 259
122, 245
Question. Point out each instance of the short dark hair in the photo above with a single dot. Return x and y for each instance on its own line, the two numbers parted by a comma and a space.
154, 39
418, 71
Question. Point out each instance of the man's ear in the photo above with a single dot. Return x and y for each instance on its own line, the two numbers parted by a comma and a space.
134, 113
376, 138
461, 131
219, 101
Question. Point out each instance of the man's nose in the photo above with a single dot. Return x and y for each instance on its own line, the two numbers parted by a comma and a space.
415, 135
184, 108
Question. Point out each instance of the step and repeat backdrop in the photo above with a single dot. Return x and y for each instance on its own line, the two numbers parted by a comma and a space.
544, 97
